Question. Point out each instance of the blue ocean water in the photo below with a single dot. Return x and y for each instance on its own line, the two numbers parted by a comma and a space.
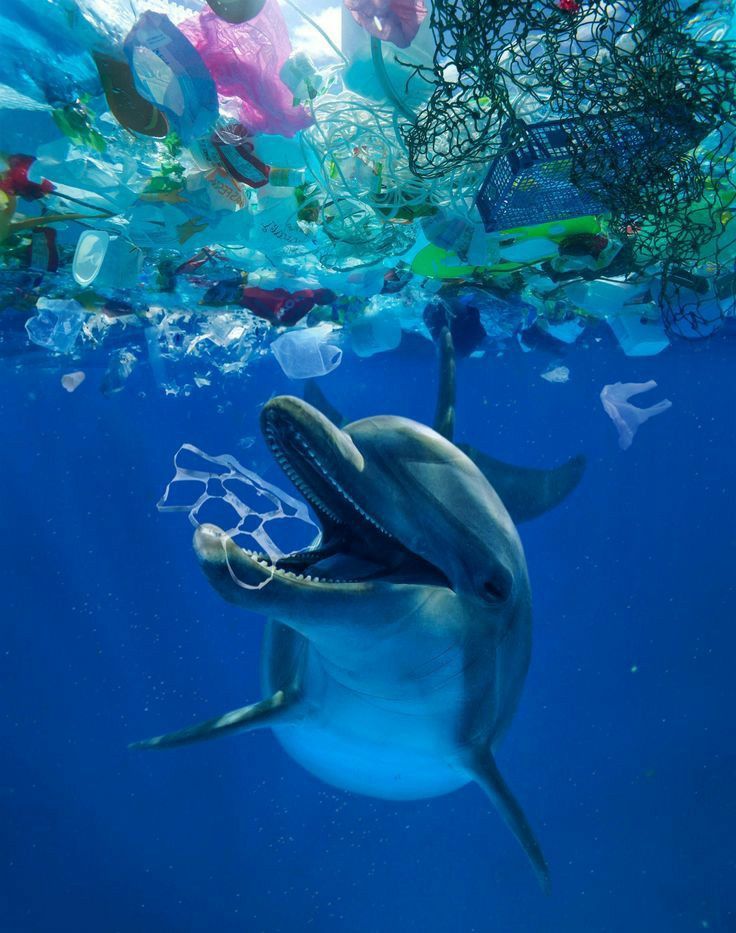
621, 752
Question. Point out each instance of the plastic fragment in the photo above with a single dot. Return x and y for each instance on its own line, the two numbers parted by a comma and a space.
626, 417
559, 374
639, 330
377, 329
121, 365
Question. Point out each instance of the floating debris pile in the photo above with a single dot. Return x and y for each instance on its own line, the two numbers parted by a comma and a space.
207, 176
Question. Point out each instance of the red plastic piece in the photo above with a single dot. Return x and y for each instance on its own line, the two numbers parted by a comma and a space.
277, 306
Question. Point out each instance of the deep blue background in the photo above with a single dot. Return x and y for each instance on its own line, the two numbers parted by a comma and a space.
622, 751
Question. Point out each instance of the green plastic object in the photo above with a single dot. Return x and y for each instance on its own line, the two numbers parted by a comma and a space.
435, 262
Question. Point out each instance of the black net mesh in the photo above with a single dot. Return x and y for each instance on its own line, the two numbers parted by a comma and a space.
577, 107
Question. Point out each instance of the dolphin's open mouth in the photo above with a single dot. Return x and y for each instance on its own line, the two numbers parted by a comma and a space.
356, 547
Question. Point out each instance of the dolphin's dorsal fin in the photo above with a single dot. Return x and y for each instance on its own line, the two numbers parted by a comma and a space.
444, 416
315, 397
276, 709
524, 491
485, 772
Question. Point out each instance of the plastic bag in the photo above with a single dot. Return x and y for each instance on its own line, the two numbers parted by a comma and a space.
171, 74
395, 21
627, 417
245, 60
305, 354
57, 324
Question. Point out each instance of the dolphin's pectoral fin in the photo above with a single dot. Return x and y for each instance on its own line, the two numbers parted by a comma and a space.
444, 416
485, 772
524, 491
315, 397
278, 708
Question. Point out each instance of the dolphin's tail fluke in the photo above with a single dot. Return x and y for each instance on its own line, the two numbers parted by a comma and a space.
276, 709
486, 773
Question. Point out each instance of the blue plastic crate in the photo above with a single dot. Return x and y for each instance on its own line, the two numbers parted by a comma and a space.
532, 183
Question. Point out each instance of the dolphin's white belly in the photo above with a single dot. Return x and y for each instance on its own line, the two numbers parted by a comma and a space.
371, 768
398, 747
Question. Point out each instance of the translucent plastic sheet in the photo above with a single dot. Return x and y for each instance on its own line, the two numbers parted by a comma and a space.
218, 489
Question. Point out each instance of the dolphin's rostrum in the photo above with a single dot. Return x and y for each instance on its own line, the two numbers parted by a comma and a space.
398, 648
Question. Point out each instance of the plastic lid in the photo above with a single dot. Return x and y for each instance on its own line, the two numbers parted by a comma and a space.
89, 256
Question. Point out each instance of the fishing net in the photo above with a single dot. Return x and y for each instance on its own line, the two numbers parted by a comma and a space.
641, 98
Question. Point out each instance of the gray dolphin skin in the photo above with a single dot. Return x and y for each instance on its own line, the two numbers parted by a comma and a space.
398, 646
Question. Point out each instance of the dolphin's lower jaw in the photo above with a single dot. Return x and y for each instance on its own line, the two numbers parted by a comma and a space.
358, 555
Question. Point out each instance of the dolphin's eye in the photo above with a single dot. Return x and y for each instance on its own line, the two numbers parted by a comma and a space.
491, 589
498, 588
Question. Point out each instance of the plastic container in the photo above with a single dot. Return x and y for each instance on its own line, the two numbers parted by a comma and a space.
532, 182
286, 177
639, 330
690, 305
604, 297
376, 330
108, 262
89, 256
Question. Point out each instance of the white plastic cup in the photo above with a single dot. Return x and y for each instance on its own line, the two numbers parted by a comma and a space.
306, 353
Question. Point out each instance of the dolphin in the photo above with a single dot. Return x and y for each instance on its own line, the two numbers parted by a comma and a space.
398, 646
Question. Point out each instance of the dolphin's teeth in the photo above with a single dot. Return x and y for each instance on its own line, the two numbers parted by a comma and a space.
298, 440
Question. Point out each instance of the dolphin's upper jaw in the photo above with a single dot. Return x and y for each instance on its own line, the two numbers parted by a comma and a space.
356, 548
307, 449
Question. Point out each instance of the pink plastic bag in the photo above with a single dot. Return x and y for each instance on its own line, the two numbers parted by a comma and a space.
395, 21
245, 60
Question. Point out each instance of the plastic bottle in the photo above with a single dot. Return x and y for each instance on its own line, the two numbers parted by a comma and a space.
286, 177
